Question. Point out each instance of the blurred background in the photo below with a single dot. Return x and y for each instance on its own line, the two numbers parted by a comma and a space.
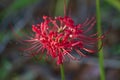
16, 18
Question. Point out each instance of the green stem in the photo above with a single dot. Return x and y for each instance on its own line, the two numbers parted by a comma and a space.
62, 72
101, 57
61, 65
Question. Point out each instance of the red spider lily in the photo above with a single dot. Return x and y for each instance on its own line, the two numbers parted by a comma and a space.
59, 36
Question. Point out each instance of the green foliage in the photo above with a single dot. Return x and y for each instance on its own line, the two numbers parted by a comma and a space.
116, 49
15, 6
5, 69
110, 15
114, 3
1, 36
60, 7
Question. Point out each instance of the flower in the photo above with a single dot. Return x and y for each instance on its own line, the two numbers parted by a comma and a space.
59, 36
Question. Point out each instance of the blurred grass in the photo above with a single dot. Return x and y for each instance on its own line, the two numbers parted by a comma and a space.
59, 11
116, 50
5, 69
1, 36
114, 3
16, 6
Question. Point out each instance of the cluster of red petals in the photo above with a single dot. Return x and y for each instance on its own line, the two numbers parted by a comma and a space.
59, 36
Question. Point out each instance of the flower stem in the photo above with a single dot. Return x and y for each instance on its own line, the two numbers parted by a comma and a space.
64, 7
62, 72
101, 57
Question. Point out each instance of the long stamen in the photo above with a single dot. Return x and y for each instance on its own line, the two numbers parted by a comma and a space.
80, 53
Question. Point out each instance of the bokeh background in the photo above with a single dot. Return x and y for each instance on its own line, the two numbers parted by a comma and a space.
16, 18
